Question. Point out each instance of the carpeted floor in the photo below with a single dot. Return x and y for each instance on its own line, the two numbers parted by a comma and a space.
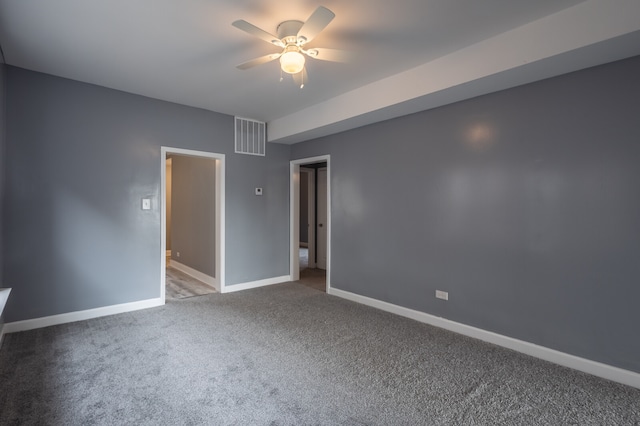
286, 355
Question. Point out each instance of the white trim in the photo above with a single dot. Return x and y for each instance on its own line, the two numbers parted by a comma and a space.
326, 216
30, 324
254, 284
220, 222
4, 296
200, 276
294, 221
219, 215
294, 215
599, 369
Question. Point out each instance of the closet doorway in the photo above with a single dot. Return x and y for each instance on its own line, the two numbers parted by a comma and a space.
310, 220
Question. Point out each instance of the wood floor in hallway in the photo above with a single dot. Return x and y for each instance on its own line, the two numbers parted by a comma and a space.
180, 285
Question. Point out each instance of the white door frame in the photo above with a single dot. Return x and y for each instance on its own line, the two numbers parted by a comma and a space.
311, 216
294, 215
318, 231
219, 283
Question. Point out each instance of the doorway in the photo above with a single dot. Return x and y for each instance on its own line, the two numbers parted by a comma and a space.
310, 217
214, 222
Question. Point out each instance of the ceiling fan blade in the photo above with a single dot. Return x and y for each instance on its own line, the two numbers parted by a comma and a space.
258, 61
301, 78
334, 55
316, 23
257, 32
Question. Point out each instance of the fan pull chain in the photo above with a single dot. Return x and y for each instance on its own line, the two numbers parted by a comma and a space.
281, 77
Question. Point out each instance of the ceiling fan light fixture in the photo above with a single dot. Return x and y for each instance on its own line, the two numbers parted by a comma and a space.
292, 36
292, 62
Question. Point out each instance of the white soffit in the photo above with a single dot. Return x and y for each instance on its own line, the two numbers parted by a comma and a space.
588, 34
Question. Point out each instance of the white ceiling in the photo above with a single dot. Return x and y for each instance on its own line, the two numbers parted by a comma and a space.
407, 55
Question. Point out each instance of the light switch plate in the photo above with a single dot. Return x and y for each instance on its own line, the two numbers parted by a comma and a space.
146, 204
258, 191
444, 295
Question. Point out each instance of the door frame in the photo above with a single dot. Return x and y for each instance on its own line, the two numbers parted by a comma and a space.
317, 174
219, 226
294, 215
311, 208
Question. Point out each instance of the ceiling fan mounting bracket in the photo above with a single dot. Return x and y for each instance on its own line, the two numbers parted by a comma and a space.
288, 31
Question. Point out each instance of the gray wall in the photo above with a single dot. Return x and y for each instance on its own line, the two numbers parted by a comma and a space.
3, 120
523, 204
193, 216
80, 159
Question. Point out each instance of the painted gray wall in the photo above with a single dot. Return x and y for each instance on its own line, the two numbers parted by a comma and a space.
304, 207
258, 226
523, 204
3, 129
3, 120
81, 158
193, 216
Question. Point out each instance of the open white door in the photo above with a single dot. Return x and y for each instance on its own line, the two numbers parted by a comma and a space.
321, 233
310, 218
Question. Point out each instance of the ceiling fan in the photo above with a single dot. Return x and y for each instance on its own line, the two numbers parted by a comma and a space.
292, 37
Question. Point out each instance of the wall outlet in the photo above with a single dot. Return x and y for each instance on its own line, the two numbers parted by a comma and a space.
442, 295
177, 254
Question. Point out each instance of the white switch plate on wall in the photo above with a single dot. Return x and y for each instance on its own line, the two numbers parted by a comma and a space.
258, 191
442, 295
146, 204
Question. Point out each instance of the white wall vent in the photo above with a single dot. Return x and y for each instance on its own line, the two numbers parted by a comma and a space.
250, 136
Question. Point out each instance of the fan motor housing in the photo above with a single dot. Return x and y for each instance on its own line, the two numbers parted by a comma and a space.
288, 31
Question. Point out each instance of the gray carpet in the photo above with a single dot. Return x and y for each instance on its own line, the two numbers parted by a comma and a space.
286, 355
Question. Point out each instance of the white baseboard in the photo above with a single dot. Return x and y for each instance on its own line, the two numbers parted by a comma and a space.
207, 279
605, 371
4, 296
30, 324
254, 284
